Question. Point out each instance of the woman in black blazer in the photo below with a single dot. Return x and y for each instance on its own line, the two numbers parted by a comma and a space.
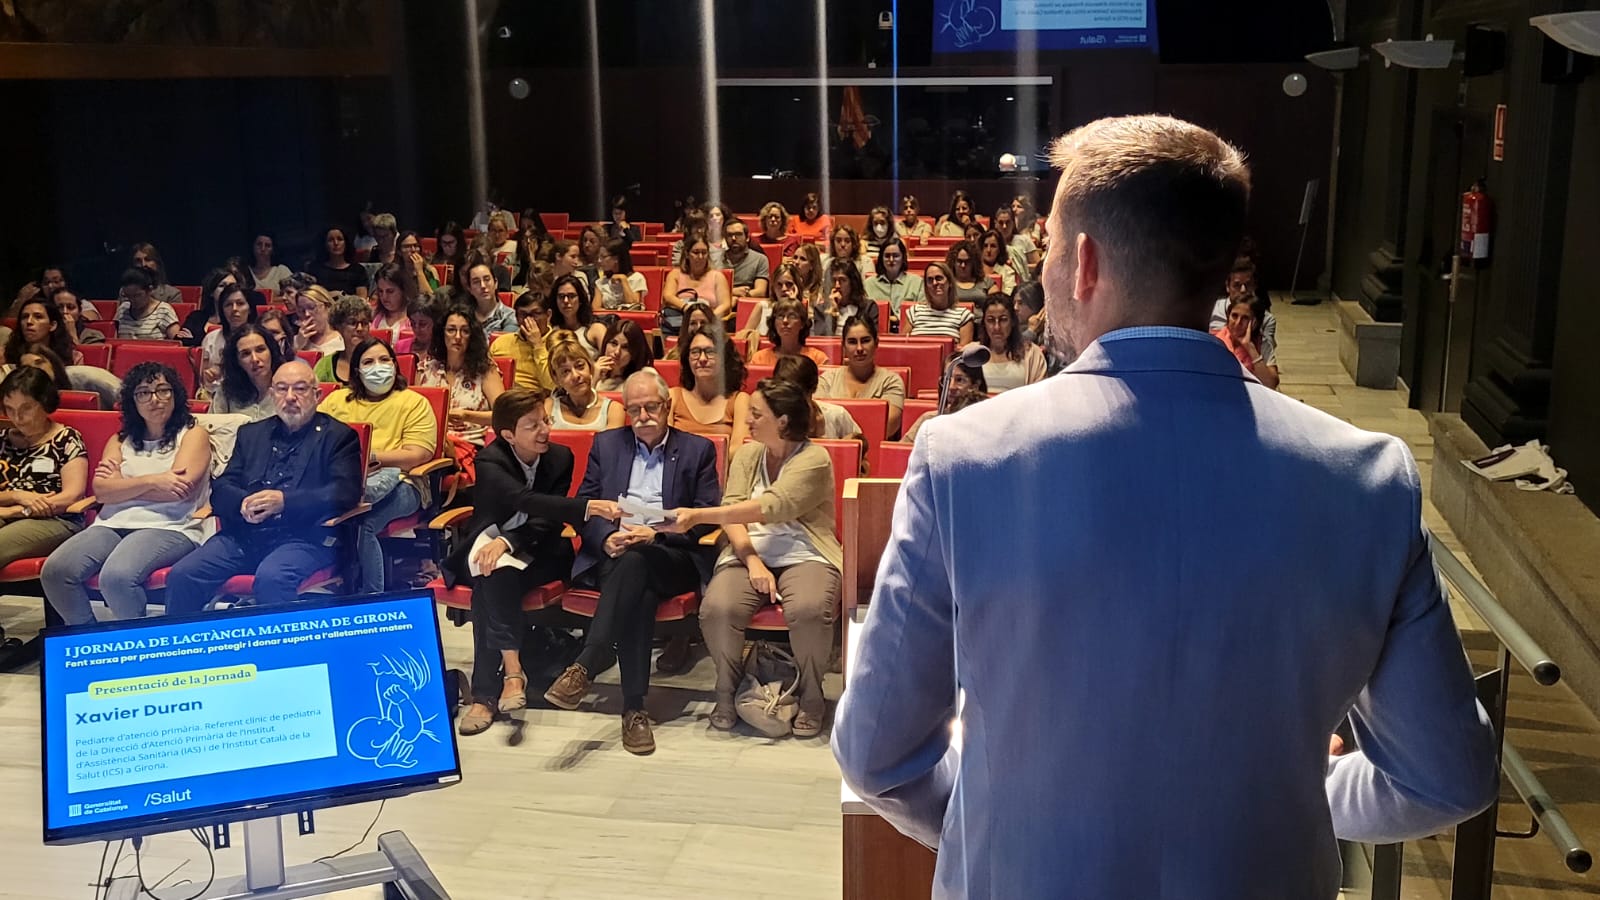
521, 493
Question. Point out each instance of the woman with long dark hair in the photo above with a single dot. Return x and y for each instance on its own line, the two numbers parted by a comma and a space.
954, 223
451, 247
264, 271
626, 351
711, 398
249, 357
461, 364
810, 224
335, 267
395, 289
617, 285
574, 313
39, 322
154, 475
234, 311
1013, 362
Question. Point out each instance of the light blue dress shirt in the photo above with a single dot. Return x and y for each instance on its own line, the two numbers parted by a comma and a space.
644, 478
1149, 668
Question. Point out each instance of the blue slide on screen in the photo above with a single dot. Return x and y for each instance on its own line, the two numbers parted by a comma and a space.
994, 26
160, 723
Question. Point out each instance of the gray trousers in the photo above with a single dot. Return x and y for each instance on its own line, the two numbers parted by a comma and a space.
810, 593
28, 538
123, 557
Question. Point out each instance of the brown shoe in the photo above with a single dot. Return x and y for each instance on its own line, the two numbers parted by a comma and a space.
636, 735
570, 689
674, 658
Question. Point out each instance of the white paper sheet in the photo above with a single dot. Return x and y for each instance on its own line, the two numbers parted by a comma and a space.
642, 514
506, 559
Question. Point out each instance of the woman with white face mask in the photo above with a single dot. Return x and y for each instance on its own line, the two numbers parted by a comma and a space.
404, 436
880, 230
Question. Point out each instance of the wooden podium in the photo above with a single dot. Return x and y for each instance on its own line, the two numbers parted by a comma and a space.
879, 862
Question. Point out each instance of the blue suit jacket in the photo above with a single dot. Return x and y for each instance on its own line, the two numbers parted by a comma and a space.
689, 478
1158, 586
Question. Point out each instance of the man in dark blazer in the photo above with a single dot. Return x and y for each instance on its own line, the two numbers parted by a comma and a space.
289, 474
521, 493
632, 565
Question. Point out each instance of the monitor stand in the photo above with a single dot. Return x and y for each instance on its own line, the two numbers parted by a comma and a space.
396, 865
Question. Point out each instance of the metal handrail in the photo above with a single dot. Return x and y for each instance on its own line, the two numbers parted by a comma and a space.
1510, 633
1545, 810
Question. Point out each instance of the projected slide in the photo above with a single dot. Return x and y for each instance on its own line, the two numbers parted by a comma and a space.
166, 717
971, 26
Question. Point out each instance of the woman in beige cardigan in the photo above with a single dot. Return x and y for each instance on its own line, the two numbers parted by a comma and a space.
777, 515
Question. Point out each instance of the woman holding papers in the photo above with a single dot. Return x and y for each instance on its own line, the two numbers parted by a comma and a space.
513, 545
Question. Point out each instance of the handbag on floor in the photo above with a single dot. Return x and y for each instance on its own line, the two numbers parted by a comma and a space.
763, 701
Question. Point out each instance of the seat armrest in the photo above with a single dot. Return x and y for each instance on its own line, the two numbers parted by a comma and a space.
432, 466
203, 512
360, 509
710, 540
443, 521
567, 532
83, 506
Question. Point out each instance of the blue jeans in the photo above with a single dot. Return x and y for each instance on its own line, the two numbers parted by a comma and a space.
279, 566
124, 557
400, 502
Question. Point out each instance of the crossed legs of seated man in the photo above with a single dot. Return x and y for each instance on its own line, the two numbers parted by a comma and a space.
280, 567
631, 584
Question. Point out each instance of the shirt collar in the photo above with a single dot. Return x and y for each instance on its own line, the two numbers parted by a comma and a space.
1155, 331
640, 448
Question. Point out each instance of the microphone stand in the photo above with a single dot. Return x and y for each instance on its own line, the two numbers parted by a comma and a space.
973, 355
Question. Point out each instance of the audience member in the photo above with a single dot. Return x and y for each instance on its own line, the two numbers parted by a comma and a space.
40, 324
807, 262
893, 284
530, 359
152, 480
785, 286
847, 297
44, 469
619, 228
421, 276
192, 328
525, 478
385, 231
963, 386
861, 377
566, 260
967, 278
575, 313
938, 314
627, 350
404, 436
73, 315
395, 289
50, 280
450, 248
460, 362
630, 563
335, 267
314, 329
880, 230
40, 357
364, 239
249, 357
1242, 336
591, 240
147, 258
1242, 285
264, 271
280, 328
1029, 303
683, 210
695, 279
697, 226
781, 547
425, 313
710, 398
351, 317
534, 234
696, 316
845, 244
1024, 254
750, 267
498, 245
954, 223
140, 315
288, 477
775, 229
491, 316
787, 328
811, 226
1013, 362
237, 311
1028, 220
911, 224
828, 420
618, 285
718, 216
995, 261
576, 405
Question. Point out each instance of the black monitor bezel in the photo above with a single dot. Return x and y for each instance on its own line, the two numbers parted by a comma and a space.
158, 823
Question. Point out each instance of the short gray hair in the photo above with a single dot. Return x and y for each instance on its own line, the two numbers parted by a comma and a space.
385, 220
648, 375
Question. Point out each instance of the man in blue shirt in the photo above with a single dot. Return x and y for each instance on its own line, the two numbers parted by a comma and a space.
1091, 666
633, 566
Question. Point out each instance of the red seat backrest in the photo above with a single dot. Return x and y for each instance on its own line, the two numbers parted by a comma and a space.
670, 370
439, 400
430, 246
184, 310
107, 328
406, 363
508, 371
309, 357
914, 410
507, 298
873, 418
754, 374
579, 443
774, 254
326, 388
744, 311
830, 345
720, 442
654, 278
894, 457
646, 320
190, 294
925, 360
97, 428
97, 355
555, 221
641, 256
444, 271
106, 308
80, 400
846, 456
130, 353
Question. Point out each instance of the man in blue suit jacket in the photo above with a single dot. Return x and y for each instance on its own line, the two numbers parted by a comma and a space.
1122, 609
632, 565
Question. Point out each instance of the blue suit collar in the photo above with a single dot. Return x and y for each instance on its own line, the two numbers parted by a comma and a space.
1158, 349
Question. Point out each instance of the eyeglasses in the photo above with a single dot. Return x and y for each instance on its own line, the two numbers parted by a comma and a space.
298, 389
653, 408
160, 393
781, 317
702, 353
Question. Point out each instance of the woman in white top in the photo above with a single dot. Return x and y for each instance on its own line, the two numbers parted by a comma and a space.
576, 406
314, 303
234, 310
154, 476
266, 273
249, 358
620, 286
1013, 362
574, 313
938, 313
995, 261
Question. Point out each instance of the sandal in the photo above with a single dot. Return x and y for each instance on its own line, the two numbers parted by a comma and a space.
806, 725
520, 700
723, 718
472, 722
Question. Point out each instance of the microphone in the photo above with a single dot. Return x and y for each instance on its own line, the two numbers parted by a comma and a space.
972, 356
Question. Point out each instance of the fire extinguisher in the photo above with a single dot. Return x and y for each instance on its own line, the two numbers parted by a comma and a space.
1477, 214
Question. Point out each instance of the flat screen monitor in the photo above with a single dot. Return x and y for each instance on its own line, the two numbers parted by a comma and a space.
1006, 26
165, 723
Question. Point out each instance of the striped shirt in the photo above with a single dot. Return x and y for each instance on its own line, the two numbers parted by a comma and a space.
152, 327
925, 320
